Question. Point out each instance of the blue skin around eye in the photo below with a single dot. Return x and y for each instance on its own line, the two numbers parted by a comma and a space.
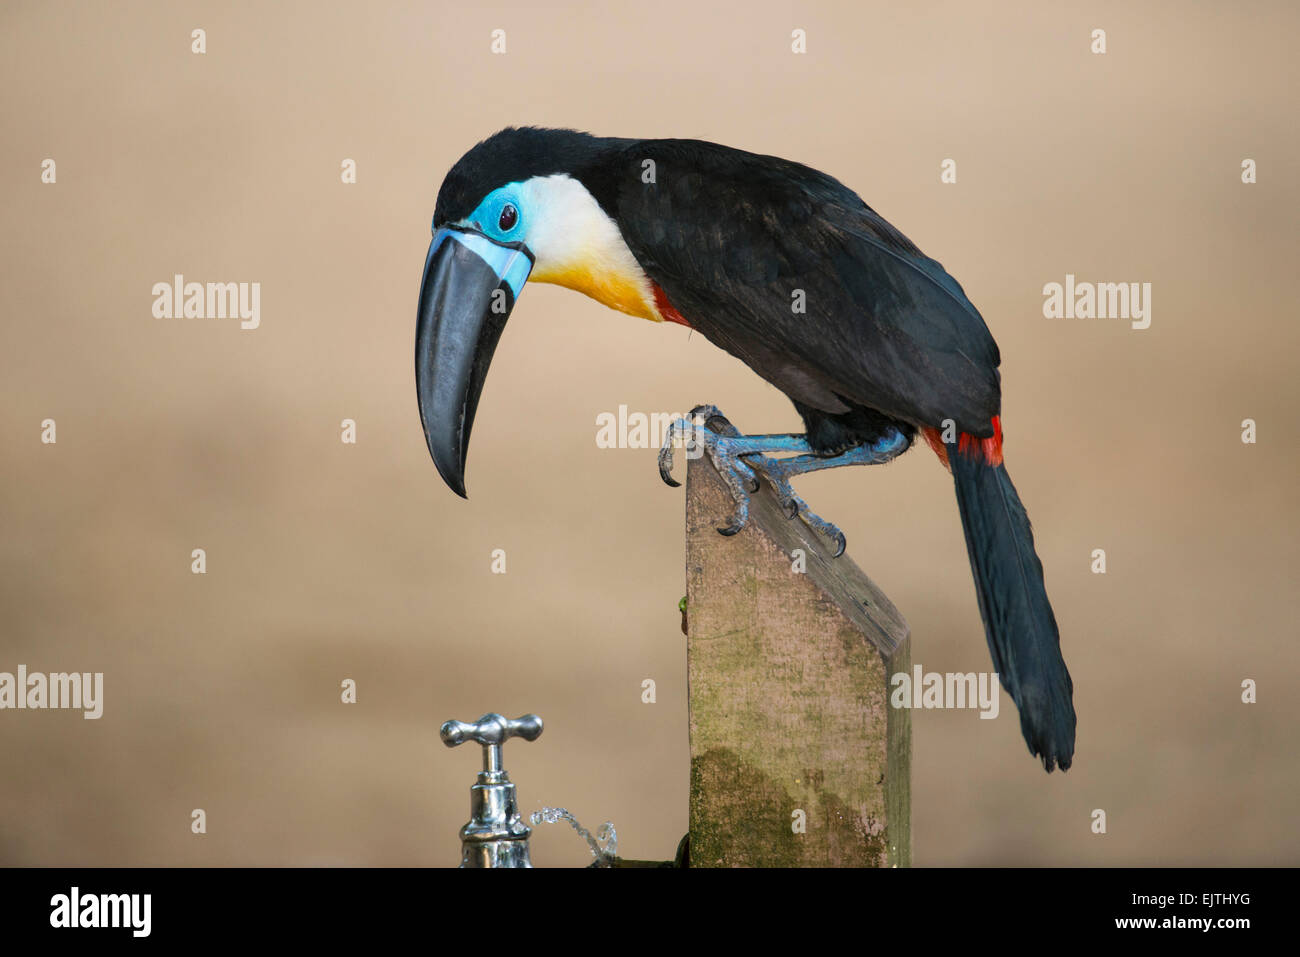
488, 215
511, 265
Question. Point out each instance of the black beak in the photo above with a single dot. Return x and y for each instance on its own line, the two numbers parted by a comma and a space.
470, 285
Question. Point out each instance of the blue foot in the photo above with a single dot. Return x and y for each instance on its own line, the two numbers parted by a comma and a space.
740, 458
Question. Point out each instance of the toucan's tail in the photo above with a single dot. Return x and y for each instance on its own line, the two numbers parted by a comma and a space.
1018, 619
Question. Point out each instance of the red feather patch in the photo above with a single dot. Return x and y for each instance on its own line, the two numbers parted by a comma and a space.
666, 308
988, 451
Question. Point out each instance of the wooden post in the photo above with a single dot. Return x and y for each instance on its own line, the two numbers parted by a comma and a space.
789, 695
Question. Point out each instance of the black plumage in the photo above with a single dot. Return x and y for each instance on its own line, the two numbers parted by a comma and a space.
732, 237
1019, 624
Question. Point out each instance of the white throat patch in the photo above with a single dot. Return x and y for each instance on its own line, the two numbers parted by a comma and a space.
578, 245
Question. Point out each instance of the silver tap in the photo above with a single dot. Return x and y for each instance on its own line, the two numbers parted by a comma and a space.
495, 836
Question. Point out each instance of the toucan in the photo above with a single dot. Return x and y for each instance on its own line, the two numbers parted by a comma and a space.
785, 268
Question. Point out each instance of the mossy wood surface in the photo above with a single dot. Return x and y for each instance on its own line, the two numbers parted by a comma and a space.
789, 695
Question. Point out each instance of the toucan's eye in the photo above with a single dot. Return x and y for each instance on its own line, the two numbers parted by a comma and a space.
509, 216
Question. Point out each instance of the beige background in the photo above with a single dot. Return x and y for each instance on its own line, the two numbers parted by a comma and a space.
328, 561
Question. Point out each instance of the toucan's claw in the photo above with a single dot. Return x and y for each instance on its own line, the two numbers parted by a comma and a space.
778, 473
737, 458
741, 458
707, 431
819, 524
666, 460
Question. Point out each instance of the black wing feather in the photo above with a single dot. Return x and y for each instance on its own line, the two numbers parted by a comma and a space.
730, 236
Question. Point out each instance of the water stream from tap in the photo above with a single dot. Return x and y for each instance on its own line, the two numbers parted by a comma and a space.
603, 846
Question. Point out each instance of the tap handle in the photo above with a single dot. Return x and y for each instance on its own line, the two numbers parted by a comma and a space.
492, 730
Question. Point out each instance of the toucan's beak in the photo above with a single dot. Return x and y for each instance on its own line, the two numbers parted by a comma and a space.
470, 285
